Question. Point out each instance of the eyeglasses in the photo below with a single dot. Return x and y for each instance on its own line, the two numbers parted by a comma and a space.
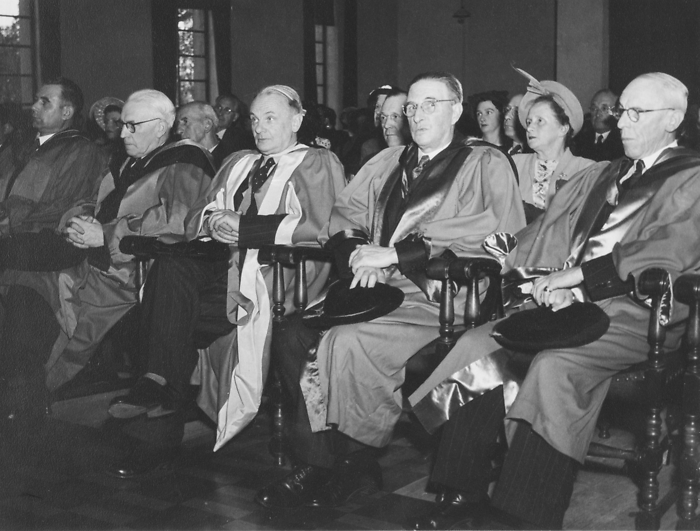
386, 117
603, 109
428, 107
633, 113
131, 126
219, 108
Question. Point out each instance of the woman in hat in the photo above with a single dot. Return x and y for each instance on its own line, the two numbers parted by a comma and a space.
551, 116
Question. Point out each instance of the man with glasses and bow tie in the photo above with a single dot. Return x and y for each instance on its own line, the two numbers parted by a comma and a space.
607, 225
406, 205
281, 193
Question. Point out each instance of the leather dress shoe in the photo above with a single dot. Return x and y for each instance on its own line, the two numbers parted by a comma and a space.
141, 462
294, 490
452, 510
148, 397
349, 477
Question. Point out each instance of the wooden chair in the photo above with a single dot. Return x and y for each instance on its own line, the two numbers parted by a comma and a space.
290, 256
654, 383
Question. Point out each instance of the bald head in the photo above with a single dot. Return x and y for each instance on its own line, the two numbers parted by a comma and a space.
665, 99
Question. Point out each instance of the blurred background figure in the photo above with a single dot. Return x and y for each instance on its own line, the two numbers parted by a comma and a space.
233, 128
375, 143
197, 121
513, 128
104, 127
394, 123
489, 112
599, 138
361, 128
337, 137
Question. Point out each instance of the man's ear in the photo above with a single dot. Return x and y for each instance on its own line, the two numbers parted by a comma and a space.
208, 125
163, 129
296, 121
67, 112
674, 121
457, 110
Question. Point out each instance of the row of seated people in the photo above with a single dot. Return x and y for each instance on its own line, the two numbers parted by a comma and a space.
406, 205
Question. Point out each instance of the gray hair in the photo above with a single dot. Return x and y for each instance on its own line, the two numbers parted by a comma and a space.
674, 89
288, 92
157, 101
206, 111
450, 81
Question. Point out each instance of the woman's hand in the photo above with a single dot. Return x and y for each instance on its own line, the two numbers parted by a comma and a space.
84, 232
566, 278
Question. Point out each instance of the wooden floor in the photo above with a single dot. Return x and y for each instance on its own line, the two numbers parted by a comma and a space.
53, 479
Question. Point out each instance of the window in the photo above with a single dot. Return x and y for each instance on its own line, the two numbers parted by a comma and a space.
193, 55
17, 55
321, 44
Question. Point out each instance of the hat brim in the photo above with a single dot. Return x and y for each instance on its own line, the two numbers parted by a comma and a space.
572, 107
542, 329
97, 110
343, 305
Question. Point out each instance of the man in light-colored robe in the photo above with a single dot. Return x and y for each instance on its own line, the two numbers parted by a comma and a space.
603, 229
385, 226
282, 194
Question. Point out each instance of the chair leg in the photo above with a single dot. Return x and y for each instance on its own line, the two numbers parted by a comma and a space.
277, 443
651, 462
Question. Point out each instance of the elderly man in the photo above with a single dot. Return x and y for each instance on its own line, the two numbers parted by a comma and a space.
46, 176
149, 196
197, 121
607, 225
394, 125
406, 205
282, 194
231, 127
600, 139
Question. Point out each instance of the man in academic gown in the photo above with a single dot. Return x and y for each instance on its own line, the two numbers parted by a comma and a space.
405, 205
600, 138
148, 195
609, 224
283, 193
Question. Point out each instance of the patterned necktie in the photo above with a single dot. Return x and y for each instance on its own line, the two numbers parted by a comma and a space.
256, 183
406, 181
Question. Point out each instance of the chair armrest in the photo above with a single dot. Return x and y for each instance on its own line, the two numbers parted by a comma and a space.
450, 269
148, 247
294, 256
687, 289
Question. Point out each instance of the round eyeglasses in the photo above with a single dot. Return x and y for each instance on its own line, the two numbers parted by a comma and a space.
633, 113
428, 107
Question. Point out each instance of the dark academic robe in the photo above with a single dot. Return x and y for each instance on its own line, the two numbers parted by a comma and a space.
46, 182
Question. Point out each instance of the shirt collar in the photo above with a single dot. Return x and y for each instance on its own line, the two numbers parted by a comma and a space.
604, 135
650, 160
432, 155
44, 138
221, 133
276, 156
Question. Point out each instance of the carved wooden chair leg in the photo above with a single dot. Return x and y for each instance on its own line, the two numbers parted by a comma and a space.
655, 283
277, 443
687, 291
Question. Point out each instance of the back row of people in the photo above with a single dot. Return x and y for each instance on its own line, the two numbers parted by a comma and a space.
406, 205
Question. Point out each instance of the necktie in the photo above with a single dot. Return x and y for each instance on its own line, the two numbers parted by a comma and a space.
599, 141
406, 181
37, 144
632, 179
256, 183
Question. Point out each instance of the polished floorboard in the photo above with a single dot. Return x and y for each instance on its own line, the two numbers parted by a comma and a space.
52, 477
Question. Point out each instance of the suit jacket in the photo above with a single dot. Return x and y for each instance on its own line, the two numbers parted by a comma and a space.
611, 148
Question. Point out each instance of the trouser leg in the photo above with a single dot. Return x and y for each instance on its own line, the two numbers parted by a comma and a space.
536, 482
28, 333
290, 345
468, 444
173, 309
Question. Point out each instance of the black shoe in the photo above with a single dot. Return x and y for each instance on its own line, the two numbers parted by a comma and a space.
349, 477
452, 510
142, 461
294, 490
147, 396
